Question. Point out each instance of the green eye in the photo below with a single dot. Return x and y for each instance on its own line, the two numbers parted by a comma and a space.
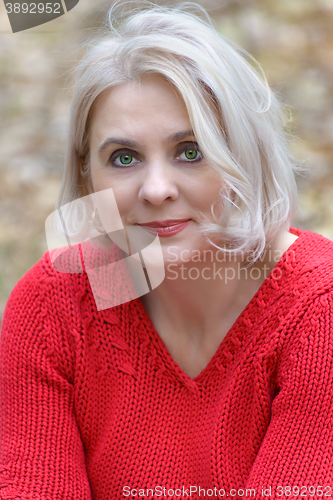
125, 159
191, 154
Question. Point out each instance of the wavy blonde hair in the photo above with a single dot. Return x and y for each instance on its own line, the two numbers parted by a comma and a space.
237, 120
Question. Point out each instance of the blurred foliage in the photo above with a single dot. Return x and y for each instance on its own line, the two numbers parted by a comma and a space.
292, 39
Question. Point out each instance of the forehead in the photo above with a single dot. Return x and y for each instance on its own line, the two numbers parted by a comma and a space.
135, 105
133, 92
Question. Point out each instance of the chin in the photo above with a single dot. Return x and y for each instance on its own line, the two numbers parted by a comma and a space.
178, 254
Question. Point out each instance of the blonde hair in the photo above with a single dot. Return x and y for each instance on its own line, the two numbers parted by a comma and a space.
237, 120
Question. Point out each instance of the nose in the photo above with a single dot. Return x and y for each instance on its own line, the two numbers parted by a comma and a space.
158, 184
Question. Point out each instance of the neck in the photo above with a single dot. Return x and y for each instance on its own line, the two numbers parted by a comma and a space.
196, 296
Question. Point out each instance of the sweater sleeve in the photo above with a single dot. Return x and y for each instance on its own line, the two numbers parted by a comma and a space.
295, 457
41, 451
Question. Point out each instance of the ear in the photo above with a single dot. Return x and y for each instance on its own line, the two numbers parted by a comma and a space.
85, 177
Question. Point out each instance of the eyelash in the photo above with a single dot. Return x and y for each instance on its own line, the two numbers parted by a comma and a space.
127, 152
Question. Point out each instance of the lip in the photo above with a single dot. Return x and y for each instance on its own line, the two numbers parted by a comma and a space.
163, 223
166, 227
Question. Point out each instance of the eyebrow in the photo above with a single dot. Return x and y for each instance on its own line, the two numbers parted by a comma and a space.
178, 136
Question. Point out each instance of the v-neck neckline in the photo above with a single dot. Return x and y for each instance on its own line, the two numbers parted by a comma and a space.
242, 318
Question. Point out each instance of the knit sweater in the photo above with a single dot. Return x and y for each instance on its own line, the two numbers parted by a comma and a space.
94, 407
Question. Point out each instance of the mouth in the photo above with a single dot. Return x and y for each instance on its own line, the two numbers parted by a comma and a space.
165, 227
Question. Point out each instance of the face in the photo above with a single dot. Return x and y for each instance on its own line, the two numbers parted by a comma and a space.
142, 146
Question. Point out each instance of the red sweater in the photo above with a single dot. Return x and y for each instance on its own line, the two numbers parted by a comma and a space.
93, 405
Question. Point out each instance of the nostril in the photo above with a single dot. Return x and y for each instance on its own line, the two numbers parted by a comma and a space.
156, 192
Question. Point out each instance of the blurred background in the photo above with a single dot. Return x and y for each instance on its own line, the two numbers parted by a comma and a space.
292, 39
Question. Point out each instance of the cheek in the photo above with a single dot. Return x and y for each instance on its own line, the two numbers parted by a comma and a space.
123, 203
123, 191
99, 180
209, 192
218, 185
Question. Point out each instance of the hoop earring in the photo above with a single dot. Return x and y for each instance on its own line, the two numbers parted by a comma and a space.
94, 222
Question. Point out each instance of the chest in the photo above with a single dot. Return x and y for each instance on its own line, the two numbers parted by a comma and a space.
191, 354
156, 426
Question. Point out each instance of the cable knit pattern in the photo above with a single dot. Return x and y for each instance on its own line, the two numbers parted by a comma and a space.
92, 401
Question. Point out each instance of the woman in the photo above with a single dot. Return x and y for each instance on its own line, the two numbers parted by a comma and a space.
218, 382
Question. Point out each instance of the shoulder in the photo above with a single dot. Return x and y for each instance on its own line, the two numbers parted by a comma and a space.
33, 327
66, 285
303, 295
43, 305
299, 289
42, 284
310, 259
312, 248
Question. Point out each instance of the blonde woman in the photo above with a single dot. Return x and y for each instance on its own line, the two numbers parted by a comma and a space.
218, 382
